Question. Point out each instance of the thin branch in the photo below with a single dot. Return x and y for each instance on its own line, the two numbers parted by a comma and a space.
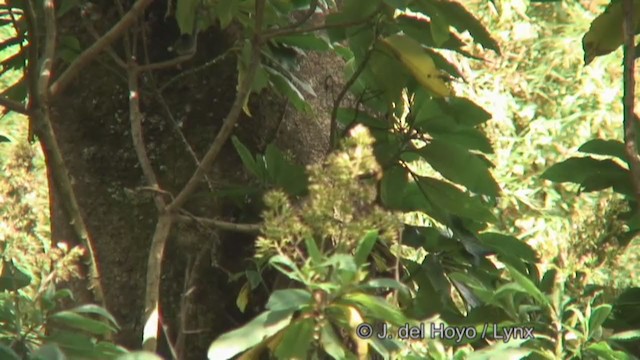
94, 50
630, 119
194, 70
152, 291
39, 106
336, 105
13, 106
221, 224
138, 139
116, 58
230, 121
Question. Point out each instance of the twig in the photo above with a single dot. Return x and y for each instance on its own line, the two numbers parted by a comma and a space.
230, 121
152, 291
336, 105
629, 117
221, 224
116, 58
39, 108
194, 70
13, 106
94, 50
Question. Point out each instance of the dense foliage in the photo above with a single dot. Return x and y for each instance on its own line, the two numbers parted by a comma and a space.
344, 233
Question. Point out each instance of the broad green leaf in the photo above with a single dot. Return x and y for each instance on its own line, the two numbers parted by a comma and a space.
289, 299
509, 245
286, 88
284, 173
95, 310
465, 112
597, 317
528, 286
4, 139
458, 165
631, 335
418, 63
377, 307
331, 343
461, 19
420, 29
80, 322
297, 340
604, 147
74, 344
471, 139
312, 249
245, 156
365, 247
444, 64
577, 170
47, 352
254, 332
439, 30
12, 277
603, 351
453, 200
392, 186
186, 15
225, 10
7, 353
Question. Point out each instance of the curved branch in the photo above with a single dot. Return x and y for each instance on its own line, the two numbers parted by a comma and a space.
103, 43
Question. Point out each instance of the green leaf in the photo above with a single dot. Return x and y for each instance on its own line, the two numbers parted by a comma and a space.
186, 15
461, 19
392, 186
383, 283
626, 335
254, 332
439, 30
289, 299
225, 10
604, 147
471, 139
597, 318
284, 173
509, 245
7, 353
548, 281
47, 352
453, 200
296, 340
331, 344
95, 310
286, 88
312, 249
603, 351
458, 165
80, 322
577, 170
12, 277
511, 350
365, 246
347, 116
420, 29
528, 286
4, 139
245, 156
466, 112
65, 6
377, 307
74, 344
